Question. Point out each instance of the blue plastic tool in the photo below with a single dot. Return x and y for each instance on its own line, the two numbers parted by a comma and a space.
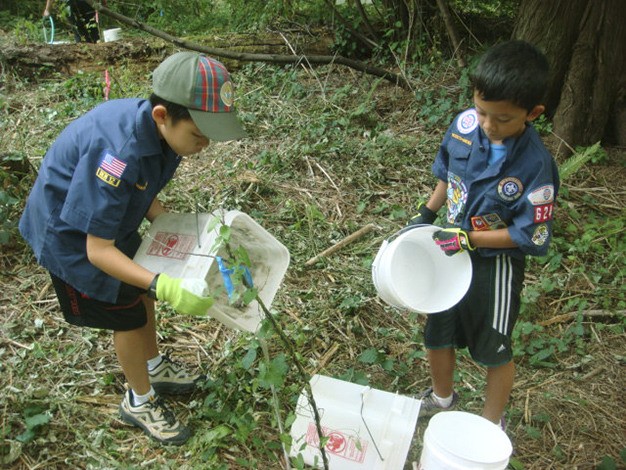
228, 272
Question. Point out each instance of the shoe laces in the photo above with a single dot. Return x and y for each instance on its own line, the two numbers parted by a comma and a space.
167, 360
159, 405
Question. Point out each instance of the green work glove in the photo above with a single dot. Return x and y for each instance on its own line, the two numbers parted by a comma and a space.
184, 295
424, 216
452, 241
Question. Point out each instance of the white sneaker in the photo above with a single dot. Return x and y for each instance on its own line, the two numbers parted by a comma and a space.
171, 377
155, 418
430, 405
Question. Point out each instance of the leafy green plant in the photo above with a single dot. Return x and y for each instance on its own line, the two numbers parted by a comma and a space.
13, 188
35, 418
582, 156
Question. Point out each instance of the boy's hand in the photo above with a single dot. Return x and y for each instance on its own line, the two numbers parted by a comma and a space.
184, 295
452, 241
424, 216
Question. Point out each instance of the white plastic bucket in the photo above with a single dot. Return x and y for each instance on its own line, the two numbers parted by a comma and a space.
367, 429
411, 272
111, 34
456, 440
178, 244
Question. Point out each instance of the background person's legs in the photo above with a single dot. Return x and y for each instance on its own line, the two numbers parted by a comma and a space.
84, 20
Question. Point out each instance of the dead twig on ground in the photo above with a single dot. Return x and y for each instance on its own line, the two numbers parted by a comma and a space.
565, 317
341, 243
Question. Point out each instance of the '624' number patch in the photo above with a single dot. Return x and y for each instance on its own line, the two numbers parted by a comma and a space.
543, 213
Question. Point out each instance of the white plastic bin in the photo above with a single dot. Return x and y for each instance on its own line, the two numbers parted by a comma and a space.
110, 35
178, 244
347, 412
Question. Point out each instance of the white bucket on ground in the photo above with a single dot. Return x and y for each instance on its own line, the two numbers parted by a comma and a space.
111, 34
367, 429
410, 271
456, 440
178, 245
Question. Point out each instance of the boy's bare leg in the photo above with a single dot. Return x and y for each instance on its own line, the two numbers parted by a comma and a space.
134, 348
499, 385
442, 362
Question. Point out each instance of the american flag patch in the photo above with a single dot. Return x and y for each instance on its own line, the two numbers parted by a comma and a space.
112, 165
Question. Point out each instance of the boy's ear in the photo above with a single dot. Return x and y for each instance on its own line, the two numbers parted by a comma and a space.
159, 114
535, 112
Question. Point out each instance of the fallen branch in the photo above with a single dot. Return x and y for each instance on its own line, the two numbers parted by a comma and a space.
341, 243
396, 79
585, 313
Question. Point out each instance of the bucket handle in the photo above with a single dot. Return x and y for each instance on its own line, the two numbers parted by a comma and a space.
404, 230
50, 24
363, 393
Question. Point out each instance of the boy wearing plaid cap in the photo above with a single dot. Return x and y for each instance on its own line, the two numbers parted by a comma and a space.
96, 184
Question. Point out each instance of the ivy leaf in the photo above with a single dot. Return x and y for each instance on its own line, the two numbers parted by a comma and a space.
249, 295
369, 356
273, 374
249, 358
37, 420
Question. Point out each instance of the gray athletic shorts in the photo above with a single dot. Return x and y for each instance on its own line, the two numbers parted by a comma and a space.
484, 319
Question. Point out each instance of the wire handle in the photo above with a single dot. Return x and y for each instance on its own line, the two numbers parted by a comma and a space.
405, 229
45, 31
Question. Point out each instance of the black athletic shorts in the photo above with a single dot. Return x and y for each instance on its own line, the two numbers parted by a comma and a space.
128, 313
483, 320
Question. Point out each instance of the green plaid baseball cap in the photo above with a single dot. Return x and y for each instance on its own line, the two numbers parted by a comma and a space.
203, 86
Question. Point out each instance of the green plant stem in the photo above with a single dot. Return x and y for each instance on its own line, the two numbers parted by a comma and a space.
303, 375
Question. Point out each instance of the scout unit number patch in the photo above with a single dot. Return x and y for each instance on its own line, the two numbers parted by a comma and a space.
543, 213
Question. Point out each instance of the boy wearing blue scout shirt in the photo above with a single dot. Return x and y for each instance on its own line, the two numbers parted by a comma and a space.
96, 184
499, 183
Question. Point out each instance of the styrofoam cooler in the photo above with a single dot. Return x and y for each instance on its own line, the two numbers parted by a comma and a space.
367, 429
178, 245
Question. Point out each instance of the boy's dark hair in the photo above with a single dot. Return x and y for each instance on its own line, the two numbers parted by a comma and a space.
514, 71
175, 111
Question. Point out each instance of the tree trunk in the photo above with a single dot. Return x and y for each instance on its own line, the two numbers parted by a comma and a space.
585, 42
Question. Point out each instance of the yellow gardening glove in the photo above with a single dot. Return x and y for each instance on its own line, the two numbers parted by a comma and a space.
186, 296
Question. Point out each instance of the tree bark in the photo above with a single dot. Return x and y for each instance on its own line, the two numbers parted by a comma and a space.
585, 43
553, 27
452, 32
596, 67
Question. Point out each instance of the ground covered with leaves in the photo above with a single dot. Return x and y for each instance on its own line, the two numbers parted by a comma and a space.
330, 151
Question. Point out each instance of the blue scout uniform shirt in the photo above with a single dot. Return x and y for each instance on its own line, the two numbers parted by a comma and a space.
517, 191
99, 177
